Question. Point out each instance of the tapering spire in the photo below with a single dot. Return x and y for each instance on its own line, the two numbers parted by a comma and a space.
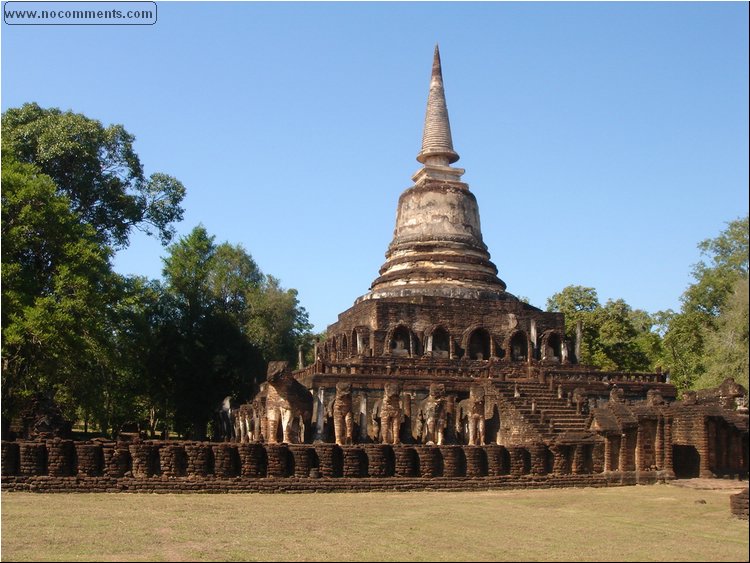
437, 144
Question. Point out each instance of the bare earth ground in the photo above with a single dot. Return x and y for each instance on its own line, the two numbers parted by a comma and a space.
637, 523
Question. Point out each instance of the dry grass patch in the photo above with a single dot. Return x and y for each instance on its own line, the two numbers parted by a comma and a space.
642, 523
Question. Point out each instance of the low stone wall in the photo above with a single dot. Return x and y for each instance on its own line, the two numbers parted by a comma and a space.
176, 466
738, 504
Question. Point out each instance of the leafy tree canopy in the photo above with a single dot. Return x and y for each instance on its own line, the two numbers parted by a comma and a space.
97, 169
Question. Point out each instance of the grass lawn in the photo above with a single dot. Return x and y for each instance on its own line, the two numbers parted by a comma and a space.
638, 523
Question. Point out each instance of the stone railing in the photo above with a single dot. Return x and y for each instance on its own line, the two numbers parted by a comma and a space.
589, 375
430, 368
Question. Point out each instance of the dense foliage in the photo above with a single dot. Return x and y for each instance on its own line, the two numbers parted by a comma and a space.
112, 349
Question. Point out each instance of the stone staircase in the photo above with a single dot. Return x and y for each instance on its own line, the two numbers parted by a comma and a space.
553, 418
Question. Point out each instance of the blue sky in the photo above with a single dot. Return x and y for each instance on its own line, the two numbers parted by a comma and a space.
603, 141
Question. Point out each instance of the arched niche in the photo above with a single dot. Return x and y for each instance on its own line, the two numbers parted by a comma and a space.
519, 347
439, 343
552, 346
400, 342
479, 345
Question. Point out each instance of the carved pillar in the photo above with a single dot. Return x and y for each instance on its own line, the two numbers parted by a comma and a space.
451, 348
579, 339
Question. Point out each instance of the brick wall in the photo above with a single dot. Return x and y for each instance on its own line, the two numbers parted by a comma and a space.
175, 466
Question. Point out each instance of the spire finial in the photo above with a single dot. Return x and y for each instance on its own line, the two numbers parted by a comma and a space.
437, 144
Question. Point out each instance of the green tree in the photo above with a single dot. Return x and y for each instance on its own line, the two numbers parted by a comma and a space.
723, 264
57, 285
726, 348
97, 169
614, 337
277, 323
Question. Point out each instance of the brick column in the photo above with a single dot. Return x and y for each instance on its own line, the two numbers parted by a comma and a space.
277, 460
578, 461
90, 459
140, 455
706, 447
60, 455
252, 460
354, 457
406, 461
537, 459
623, 463
454, 464
199, 459
607, 454
226, 460
379, 460
597, 457
117, 459
429, 461
476, 461
301, 454
173, 460
516, 461
659, 445
639, 448
668, 445
331, 460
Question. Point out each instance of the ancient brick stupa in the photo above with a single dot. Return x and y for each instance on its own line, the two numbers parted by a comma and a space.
437, 377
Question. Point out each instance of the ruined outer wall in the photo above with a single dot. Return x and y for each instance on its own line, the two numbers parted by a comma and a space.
177, 466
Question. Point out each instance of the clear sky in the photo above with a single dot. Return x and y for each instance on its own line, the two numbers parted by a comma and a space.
603, 141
